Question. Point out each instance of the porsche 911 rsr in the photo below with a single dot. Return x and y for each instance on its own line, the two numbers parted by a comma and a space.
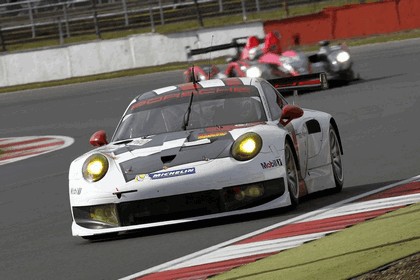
202, 150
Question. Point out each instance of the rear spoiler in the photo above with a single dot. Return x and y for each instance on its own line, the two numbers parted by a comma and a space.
316, 81
237, 43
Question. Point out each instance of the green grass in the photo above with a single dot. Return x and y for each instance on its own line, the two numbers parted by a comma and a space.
344, 254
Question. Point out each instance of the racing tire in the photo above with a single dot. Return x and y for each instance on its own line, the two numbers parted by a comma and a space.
292, 175
336, 160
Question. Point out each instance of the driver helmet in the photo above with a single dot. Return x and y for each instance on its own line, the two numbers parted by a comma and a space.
252, 42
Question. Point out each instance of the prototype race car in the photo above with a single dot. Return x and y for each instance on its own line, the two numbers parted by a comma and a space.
204, 150
255, 64
335, 61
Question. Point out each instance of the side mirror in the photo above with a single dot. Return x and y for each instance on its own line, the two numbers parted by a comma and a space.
98, 138
289, 113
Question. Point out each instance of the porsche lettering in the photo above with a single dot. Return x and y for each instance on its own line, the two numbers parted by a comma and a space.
182, 94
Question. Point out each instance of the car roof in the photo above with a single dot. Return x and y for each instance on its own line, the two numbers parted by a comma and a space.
206, 84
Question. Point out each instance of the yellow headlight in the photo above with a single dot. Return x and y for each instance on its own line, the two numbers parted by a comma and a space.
246, 146
104, 213
95, 167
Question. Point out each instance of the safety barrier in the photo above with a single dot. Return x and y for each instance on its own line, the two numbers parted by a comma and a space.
104, 56
349, 21
155, 49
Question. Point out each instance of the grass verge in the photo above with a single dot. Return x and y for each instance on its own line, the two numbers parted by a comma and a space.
344, 254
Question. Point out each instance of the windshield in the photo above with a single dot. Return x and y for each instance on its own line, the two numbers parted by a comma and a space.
207, 107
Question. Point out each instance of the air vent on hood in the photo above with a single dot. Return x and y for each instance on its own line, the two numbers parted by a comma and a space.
167, 159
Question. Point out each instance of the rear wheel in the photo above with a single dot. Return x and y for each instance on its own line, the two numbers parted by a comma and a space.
291, 175
336, 162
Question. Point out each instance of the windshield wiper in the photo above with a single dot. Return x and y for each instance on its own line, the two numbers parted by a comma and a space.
186, 119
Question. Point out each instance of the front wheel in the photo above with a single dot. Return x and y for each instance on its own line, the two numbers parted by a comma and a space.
336, 161
291, 175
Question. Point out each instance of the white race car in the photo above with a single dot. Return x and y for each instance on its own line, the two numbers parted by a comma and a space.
204, 150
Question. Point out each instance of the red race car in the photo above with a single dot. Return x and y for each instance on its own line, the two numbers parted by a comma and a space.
254, 58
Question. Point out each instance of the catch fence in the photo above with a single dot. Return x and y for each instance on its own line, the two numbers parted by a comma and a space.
39, 20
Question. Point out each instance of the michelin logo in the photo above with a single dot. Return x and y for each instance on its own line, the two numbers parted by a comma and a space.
174, 173
271, 163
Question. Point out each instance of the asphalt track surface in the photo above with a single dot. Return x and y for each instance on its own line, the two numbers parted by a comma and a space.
378, 119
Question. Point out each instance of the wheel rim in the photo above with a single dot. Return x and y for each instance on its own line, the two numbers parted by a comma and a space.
292, 176
336, 156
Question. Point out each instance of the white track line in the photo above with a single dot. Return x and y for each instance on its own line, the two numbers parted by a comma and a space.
311, 215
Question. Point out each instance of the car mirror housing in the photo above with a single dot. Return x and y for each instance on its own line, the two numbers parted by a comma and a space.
98, 138
289, 113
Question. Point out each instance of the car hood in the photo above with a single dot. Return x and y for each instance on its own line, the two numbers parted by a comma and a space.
162, 151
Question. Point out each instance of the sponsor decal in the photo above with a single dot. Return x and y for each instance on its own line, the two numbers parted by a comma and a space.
165, 174
271, 163
174, 173
187, 94
140, 142
75, 191
142, 177
211, 135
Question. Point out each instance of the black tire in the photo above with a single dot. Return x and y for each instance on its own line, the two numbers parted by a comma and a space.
292, 175
336, 160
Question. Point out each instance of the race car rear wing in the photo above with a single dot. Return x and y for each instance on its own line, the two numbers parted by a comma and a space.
237, 43
316, 81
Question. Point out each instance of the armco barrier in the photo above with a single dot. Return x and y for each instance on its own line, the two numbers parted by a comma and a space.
155, 49
348, 21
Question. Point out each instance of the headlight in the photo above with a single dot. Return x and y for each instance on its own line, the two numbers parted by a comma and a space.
95, 167
246, 146
104, 213
254, 72
343, 57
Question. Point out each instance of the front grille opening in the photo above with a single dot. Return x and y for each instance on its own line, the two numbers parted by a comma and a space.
199, 203
183, 206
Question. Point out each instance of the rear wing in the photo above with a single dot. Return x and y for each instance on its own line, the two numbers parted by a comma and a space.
316, 81
237, 43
